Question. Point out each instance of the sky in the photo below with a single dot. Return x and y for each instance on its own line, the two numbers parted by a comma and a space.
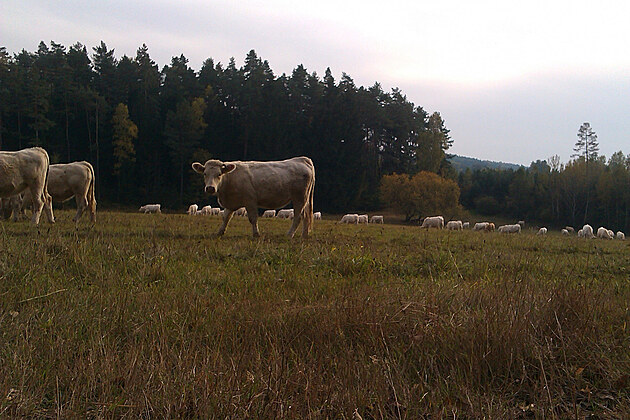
513, 82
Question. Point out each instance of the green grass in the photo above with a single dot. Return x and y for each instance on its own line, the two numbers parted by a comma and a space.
151, 316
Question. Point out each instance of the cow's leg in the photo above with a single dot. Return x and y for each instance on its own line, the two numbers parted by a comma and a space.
252, 215
297, 217
48, 208
38, 203
227, 215
82, 204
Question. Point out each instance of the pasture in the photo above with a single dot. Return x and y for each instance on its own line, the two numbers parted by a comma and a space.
151, 316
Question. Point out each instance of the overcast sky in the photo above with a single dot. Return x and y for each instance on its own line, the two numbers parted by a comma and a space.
513, 82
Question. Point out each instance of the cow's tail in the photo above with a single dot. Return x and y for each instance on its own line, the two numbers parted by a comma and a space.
90, 193
308, 208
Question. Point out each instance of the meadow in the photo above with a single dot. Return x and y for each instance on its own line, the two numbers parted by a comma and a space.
150, 316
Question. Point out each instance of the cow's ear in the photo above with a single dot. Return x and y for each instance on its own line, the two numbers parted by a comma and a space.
198, 167
227, 168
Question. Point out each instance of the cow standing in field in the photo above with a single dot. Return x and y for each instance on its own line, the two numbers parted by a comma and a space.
67, 180
510, 228
11, 207
433, 222
542, 231
350, 218
268, 185
151, 208
455, 225
192, 209
269, 214
27, 170
363, 218
377, 219
317, 215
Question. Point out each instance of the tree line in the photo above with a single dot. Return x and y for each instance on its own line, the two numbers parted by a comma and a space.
141, 126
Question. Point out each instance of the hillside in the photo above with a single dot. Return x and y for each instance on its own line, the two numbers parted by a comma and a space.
461, 163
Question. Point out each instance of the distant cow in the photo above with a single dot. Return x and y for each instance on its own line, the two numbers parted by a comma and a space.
285, 214
569, 229
565, 232
192, 209
490, 227
269, 213
604, 233
542, 231
268, 185
215, 211
27, 170
466, 225
317, 215
587, 232
206, 210
621, 235
151, 208
433, 222
75, 179
481, 225
363, 218
350, 218
376, 219
455, 225
510, 228
11, 207
521, 223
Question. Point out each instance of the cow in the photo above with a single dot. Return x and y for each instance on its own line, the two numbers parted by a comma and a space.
27, 170
75, 179
569, 229
240, 212
565, 232
363, 218
621, 236
269, 185
192, 209
466, 225
604, 233
490, 227
433, 222
542, 231
481, 225
215, 211
521, 223
317, 215
206, 210
151, 208
284, 214
350, 218
376, 219
269, 213
455, 225
580, 233
587, 232
12, 207
510, 228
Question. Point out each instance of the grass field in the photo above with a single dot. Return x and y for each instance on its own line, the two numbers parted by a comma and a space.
151, 316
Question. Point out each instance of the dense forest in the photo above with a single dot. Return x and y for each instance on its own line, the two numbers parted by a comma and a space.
142, 126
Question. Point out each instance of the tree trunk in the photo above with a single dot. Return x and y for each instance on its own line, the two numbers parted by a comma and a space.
98, 161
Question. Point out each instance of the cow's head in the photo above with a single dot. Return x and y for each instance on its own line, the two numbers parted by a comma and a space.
212, 172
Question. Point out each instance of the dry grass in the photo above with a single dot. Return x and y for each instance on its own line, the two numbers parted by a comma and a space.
150, 316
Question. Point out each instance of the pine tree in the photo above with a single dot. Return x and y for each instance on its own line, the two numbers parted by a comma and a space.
586, 145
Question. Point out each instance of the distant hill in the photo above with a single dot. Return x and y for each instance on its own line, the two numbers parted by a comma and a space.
461, 163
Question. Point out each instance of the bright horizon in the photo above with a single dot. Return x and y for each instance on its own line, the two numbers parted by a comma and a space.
512, 82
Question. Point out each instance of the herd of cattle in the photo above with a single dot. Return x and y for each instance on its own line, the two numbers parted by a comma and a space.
28, 180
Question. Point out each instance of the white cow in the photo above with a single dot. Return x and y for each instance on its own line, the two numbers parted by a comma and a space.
542, 231
27, 169
192, 209
433, 222
510, 228
604, 233
350, 218
215, 211
621, 235
377, 219
269, 213
262, 184
317, 215
466, 225
455, 225
569, 229
284, 214
565, 232
580, 233
363, 218
11, 207
521, 223
151, 208
587, 232
206, 210
481, 225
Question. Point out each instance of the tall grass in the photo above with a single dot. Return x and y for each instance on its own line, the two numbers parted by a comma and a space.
151, 316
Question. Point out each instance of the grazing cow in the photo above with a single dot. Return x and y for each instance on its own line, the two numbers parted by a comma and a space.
587, 232
455, 225
240, 212
377, 219
206, 210
27, 170
363, 218
481, 225
490, 227
604, 233
75, 179
192, 209
621, 235
569, 229
215, 211
521, 223
466, 225
284, 214
151, 208
542, 231
262, 184
317, 215
269, 213
565, 232
433, 222
510, 228
11, 207
580, 233
350, 218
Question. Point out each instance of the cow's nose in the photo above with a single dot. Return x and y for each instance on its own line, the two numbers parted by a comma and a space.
210, 189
